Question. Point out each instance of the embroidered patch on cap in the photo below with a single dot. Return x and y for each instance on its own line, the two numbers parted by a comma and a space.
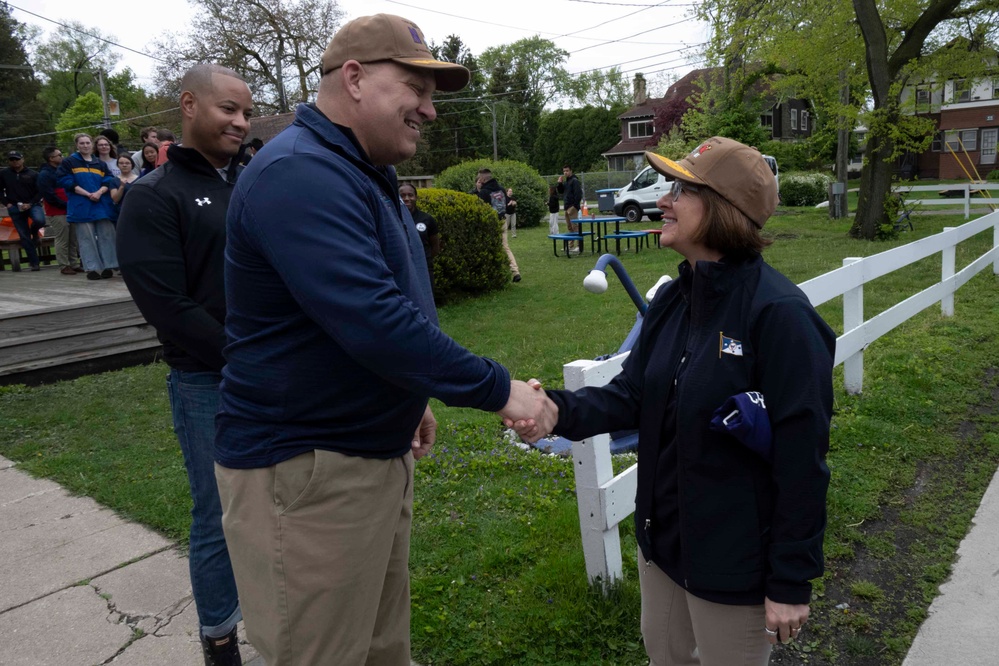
727, 345
701, 149
416, 35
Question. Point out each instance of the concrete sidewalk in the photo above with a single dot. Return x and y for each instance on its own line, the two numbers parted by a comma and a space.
81, 586
963, 623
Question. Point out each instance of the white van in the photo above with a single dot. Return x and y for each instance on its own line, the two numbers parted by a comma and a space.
639, 197
772, 163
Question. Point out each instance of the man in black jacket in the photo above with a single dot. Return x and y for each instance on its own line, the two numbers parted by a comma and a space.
485, 187
568, 185
171, 242
19, 193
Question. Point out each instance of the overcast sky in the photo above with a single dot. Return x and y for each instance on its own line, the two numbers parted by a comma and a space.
636, 35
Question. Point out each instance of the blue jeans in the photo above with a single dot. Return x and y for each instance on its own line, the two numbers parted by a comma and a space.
27, 223
96, 241
194, 400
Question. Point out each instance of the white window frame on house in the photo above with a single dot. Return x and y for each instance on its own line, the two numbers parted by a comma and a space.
962, 91
969, 137
924, 99
633, 129
804, 121
937, 145
767, 118
794, 119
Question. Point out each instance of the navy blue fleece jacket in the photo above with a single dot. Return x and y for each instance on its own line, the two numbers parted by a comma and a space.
333, 335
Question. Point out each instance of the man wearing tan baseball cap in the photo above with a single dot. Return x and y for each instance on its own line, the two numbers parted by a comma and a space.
334, 350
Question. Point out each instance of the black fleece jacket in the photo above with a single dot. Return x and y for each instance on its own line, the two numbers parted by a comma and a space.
171, 244
717, 518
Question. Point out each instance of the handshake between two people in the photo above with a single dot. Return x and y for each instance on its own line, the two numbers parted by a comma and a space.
529, 411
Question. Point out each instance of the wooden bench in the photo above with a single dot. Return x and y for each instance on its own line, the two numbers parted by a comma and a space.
567, 238
11, 244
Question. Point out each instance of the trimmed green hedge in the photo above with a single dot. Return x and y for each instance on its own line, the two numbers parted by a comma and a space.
472, 260
804, 189
530, 190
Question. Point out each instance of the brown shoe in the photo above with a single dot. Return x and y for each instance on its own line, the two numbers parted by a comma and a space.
79, 269
67, 270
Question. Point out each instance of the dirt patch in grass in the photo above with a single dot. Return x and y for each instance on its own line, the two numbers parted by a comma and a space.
873, 604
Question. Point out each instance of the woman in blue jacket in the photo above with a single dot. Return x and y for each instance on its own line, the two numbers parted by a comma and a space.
729, 531
88, 184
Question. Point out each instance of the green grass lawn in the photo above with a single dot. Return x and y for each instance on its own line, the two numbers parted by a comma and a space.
497, 566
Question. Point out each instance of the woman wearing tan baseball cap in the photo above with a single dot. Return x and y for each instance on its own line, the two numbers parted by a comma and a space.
729, 534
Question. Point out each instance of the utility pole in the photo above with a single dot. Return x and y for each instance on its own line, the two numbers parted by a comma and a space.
104, 98
492, 107
838, 205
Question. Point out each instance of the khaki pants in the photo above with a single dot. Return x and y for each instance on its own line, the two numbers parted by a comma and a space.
681, 629
66, 248
509, 253
320, 550
570, 218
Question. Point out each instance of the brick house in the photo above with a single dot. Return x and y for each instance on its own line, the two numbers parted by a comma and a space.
787, 120
966, 114
266, 128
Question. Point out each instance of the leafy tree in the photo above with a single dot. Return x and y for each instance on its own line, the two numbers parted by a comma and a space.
602, 88
276, 45
523, 77
21, 114
669, 117
894, 49
869, 50
69, 61
86, 114
575, 136
535, 63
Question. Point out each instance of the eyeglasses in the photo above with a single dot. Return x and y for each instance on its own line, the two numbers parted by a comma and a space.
678, 186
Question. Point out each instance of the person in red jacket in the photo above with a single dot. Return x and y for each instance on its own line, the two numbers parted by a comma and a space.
54, 203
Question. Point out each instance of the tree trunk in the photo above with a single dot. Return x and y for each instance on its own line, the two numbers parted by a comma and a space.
875, 179
875, 184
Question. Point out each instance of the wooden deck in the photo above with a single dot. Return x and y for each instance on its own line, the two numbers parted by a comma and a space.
55, 326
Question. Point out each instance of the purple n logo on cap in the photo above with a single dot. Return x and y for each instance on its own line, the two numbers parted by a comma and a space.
416, 35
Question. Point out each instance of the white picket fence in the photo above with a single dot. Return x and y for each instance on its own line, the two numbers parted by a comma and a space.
604, 500
972, 194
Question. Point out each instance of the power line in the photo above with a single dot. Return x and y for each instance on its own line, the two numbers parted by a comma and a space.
520, 27
80, 129
622, 40
632, 4
623, 16
84, 32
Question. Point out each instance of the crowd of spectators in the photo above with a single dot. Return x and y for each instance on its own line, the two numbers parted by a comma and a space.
76, 199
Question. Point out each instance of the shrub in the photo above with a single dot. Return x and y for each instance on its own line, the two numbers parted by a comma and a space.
529, 189
804, 189
472, 260
791, 156
993, 175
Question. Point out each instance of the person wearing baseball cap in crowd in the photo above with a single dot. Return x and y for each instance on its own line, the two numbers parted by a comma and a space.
20, 194
728, 539
333, 351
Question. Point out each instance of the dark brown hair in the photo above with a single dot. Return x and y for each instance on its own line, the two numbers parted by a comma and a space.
726, 228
